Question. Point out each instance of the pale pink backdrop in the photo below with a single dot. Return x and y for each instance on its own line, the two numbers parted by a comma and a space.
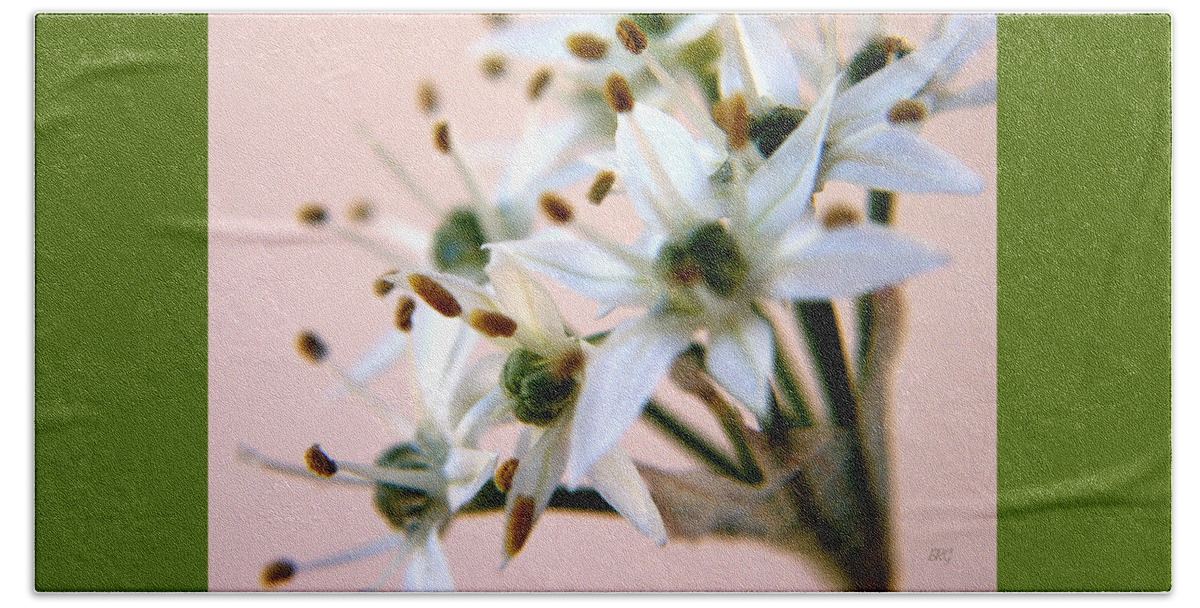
286, 97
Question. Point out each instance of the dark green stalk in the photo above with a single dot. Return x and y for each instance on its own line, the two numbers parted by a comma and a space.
825, 339
881, 210
789, 387
490, 498
693, 441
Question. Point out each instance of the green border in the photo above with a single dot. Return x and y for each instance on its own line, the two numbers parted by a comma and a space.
1084, 303
121, 257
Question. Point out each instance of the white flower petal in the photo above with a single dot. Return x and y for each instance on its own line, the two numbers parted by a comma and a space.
870, 99
540, 468
689, 29
523, 299
773, 67
488, 411
477, 380
781, 190
586, 268
894, 158
618, 380
428, 571
741, 359
466, 471
382, 355
617, 480
979, 94
976, 30
850, 261
663, 168
441, 347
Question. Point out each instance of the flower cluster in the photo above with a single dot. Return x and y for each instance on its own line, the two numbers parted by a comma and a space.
718, 130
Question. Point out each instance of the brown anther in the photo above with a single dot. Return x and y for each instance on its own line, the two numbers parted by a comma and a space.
319, 463
840, 215
497, 19
383, 286
360, 211
617, 93
567, 364
311, 348
492, 324
434, 295
907, 111
427, 97
600, 186
494, 66
505, 473
631, 36
441, 136
556, 208
520, 524
277, 573
732, 116
312, 214
588, 47
537, 83
404, 313
895, 44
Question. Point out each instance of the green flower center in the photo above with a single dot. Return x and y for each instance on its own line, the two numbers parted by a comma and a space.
537, 393
401, 507
768, 131
708, 254
457, 244
875, 56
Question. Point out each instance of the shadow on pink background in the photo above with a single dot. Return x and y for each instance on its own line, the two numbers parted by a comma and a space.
286, 97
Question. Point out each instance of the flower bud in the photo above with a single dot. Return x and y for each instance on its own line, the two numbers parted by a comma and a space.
538, 394
400, 507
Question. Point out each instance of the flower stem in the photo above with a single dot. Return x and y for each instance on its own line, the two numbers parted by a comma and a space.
490, 498
880, 208
820, 325
693, 441
790, 388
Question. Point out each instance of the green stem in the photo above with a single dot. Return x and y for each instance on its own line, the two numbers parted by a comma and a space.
490, 498
825, 339
881, 206
789, 386
693, 441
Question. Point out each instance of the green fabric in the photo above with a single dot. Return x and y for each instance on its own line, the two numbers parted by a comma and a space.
120, 356
1084, 303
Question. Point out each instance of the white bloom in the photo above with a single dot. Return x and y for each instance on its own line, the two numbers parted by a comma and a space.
705, 261
418, 484
538, 387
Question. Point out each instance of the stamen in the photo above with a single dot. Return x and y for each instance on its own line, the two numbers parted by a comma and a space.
600, 186
404, 313
320, 464
617, 94
383, 285
311, 348
277, 573
434, 295
427, 97
907, 111
520, 524
492, 324
505, 473
733, 117
494, 66
894, 45
631, 36
568, 364
537, 83
360, 211
441, 137
588, 47
840, 215
312, 214
556, 208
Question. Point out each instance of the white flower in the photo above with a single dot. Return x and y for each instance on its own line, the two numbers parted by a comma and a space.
707, 259
538, 387
870, 141
418, 484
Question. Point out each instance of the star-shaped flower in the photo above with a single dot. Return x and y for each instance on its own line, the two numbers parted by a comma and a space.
709, 258
538, 386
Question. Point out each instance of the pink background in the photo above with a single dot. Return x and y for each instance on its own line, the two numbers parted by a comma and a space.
286, 95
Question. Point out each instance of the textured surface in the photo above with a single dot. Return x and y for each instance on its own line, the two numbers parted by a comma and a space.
1084, 303
121, 336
